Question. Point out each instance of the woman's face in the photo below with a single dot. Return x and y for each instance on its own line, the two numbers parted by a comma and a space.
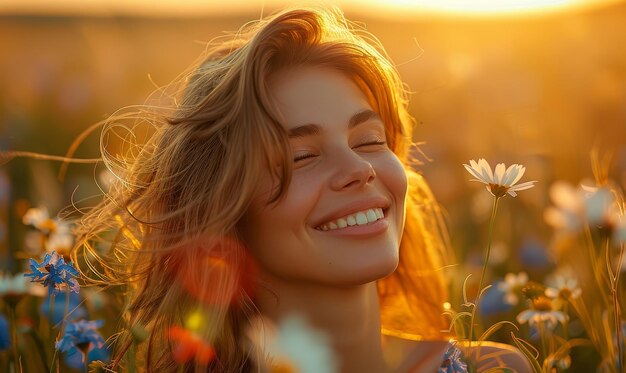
341, 220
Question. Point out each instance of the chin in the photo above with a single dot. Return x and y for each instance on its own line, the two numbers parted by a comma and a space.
369, 272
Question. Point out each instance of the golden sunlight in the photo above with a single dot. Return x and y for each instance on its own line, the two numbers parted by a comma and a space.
395, 8
484, 7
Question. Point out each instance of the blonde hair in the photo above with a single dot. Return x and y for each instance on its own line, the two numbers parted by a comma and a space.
179, 194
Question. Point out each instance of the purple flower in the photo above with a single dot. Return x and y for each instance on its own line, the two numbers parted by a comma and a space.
82, 335
453, 361
56, 274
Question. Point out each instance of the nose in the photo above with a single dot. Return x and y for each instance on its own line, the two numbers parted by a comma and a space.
352, 171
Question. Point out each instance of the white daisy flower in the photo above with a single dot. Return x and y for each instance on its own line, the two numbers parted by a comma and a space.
57, 232
502, 180
568, 211
294, 346
39, 218
603, 210
548, 318
14, 287
61, 243
563, 287
512, 286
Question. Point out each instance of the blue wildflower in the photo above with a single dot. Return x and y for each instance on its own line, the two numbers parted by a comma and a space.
82, 335
493, 301
533, 254
5, 337
74, 358
452, 361
56, 274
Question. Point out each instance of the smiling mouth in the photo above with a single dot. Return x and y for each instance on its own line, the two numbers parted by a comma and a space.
358, 218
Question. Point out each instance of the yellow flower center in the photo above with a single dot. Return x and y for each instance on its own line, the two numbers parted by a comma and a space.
48, 226
565, 293
498, 190
542, 304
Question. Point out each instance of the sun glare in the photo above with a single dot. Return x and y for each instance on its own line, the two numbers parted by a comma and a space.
483, 7
395, 8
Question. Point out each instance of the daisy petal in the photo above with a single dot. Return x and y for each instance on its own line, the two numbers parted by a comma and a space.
552, 293
485, 170
524, 316
521, 170
509, 175
523, 186
499, 173
473, 172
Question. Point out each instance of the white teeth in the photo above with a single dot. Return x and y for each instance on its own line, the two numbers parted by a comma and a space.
371, 215
359, 218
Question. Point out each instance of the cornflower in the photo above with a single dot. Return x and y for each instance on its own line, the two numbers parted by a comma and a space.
453, 361
56, 275
81, 335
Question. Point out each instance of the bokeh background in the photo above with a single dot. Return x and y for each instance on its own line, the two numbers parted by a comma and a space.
539, 84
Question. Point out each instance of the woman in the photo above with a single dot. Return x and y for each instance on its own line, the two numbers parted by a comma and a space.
278, 182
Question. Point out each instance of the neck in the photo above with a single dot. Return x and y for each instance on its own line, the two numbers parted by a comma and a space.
349, 316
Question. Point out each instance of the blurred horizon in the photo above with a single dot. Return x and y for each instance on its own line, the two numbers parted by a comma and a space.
381, 9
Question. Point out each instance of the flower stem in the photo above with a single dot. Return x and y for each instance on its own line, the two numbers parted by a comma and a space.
85, 361
565, 323
67, 306
14, 344
614, 279
492, 221
542, 335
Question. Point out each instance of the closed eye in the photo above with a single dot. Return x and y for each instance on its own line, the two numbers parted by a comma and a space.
302, 157
372, 143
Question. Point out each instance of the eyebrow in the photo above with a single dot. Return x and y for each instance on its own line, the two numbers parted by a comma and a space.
312, 129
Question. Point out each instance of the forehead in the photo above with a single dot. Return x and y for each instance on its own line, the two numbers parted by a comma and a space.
316, 95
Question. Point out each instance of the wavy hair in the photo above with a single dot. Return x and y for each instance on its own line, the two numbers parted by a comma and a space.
167, 230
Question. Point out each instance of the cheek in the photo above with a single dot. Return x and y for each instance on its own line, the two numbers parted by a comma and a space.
392, 173
270, 229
